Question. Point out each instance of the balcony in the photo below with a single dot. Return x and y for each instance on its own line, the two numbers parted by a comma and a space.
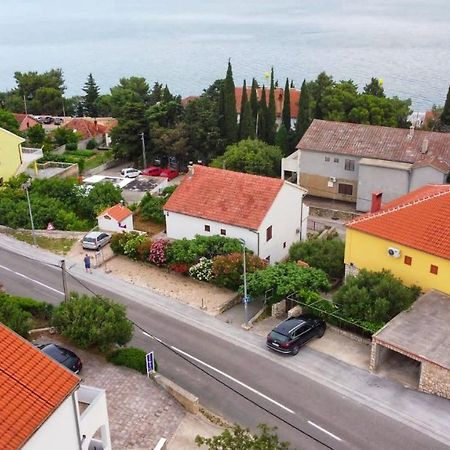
30, 155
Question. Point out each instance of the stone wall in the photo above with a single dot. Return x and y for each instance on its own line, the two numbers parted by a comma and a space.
279, 309
435, 379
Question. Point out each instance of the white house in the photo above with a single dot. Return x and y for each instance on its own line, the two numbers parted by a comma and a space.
267, 213
43, 405
118, 218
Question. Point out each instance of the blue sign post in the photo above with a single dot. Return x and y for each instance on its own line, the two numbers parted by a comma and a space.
150, 363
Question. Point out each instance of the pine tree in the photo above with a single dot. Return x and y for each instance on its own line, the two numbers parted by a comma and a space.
271, 113
445, 116
304, 111
262, 117
89, 100
229, 125
286, 118
246, 124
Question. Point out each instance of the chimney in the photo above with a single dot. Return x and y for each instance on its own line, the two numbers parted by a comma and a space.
376, 202
190, 169
424, 146
411, 132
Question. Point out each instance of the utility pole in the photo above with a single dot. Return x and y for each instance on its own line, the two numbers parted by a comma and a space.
25, 104
25, 186
242, 241
64, 280
143, 150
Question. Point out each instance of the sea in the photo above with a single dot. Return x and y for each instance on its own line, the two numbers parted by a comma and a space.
186, 44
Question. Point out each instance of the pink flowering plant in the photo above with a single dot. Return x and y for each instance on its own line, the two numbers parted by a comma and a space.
158, 252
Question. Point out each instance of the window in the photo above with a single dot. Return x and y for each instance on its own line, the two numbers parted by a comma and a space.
269, 233
223, 232
327, 159
434, 269
350, 164
346, 189
107, 217
408, 260
284, 244
207, 228
336, 160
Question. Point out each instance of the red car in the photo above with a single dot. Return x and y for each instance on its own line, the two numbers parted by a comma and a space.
152, 171
169, 173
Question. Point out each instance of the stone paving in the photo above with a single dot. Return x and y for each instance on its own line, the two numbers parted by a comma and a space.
140, 412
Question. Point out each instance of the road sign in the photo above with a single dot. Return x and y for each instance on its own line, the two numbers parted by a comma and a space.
150, 363
246, 299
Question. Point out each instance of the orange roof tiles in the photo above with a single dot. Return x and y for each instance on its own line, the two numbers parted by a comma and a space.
418, 220
32, 386
87, 128
117, 212
224, 196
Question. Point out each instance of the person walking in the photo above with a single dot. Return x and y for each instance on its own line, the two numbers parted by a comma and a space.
87, 263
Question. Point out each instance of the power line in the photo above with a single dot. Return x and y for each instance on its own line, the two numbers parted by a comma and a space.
192, 363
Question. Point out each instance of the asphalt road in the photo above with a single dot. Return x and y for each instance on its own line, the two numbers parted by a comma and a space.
298, 405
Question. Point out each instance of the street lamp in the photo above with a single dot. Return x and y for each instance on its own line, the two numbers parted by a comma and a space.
25, 187
245, 299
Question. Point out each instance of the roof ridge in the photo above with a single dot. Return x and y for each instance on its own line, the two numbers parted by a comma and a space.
398, 207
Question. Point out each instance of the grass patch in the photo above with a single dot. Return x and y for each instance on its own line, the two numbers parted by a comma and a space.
57, 245
97, 159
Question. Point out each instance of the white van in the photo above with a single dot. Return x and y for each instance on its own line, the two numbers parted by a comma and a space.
130, 172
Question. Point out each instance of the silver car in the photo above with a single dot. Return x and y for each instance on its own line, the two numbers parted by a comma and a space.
95, 240
130, 172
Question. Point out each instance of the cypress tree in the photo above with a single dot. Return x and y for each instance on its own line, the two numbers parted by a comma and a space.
271, 113
246, 127
304, 111
89, 100
286, 117
254, 99
445, 116
262, 117
229, 108
282, 140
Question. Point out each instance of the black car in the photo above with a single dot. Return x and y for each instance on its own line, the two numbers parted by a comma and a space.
295, 332
65, 357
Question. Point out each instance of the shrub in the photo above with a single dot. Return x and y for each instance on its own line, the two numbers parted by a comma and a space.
120, 240
93, 322
227, 270
181, 268
152, 208
158, 252
41, 310
13, 316
374, 297
202, 270
130, 247
131, 357
327, 255
143, 249
71, 146
91, 144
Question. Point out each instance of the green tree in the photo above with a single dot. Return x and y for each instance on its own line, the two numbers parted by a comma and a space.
304, 118
93, 322
375, 88
251, 156
13, 316
103, 105
271, 113
8, 121
237, 438
254, 100
317, 89
286, 116
445, 116
261, 130
63, 136
246, 126
327, 255
90, 99
36, 135
46, 100
282, 140
101, 196
229, 122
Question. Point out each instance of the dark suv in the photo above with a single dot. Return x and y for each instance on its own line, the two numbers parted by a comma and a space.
295, 332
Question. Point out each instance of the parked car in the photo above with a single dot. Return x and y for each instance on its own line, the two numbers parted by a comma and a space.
152, 171
60, 354
129, 172
58, 120
95, 240
48, 119
295, 332
170, 174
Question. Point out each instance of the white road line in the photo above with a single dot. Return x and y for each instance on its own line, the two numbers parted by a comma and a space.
31, 279
325, 431
233, 379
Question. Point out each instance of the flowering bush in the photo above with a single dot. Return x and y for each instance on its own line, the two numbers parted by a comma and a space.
182, 268
132, 244
119, 241
143, 249
227, 270
202, 270
158, 252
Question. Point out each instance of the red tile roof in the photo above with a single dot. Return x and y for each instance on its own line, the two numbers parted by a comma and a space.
25, 121
224, 196
87, 128
32, 386
418, 220
370, 141
117, 212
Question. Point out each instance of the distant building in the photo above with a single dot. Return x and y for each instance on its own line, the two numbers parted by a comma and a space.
25, 121
267, 213
348, 161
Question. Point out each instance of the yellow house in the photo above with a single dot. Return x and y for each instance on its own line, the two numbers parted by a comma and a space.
10, 154
409, 236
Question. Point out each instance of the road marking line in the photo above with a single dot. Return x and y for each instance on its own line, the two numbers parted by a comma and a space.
31, 279
233, 379
325, 431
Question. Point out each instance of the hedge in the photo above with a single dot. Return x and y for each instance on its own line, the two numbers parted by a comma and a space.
131, 357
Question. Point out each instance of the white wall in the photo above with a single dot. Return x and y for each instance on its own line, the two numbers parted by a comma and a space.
112, 225
426, 175
287, 219
58, 431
